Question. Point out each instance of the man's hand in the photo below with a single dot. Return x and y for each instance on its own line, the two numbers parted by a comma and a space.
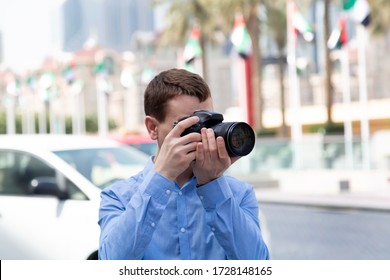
212, 158
176, 152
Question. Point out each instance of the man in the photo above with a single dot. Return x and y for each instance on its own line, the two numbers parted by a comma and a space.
181, 206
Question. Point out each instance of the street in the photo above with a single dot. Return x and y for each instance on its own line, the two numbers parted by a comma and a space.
313, 233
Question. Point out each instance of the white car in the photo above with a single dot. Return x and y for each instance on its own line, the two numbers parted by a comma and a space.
50, 193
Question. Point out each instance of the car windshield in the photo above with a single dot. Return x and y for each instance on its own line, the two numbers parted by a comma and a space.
103, 166
148, 148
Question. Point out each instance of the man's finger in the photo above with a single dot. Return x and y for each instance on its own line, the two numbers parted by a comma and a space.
212, 145
183, 125
222, 152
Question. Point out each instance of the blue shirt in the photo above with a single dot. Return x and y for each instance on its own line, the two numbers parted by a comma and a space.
149, 217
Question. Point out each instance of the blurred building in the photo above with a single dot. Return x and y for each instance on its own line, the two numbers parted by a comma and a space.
111, 24
311, 68
87, 28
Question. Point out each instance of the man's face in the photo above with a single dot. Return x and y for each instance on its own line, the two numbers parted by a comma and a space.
180, 107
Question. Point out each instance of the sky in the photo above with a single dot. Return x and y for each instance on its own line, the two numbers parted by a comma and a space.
30, 31
27, 32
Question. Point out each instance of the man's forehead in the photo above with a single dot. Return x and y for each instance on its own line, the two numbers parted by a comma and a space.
179, 110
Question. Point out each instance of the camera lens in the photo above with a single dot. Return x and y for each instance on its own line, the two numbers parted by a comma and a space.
239, 137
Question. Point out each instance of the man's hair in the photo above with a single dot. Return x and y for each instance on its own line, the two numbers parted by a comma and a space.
169, 84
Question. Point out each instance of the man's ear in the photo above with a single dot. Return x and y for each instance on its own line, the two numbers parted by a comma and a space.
151, 126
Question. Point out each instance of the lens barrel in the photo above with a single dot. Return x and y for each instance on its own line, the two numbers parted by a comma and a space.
239, 137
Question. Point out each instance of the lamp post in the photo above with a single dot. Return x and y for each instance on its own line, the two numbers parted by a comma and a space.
13, 91
104, 67
130, 99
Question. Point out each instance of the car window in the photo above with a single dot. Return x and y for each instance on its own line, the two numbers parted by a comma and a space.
103, 166
18, 169
148, 148
9, 175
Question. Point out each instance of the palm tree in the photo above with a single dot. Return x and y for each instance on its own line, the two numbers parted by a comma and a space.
380, 10
213, 15
250, 10
182, 16
277, 24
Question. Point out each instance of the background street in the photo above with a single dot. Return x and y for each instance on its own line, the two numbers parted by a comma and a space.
321, 233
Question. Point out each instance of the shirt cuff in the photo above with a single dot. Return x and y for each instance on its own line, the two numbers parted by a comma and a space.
214, 193
157, 186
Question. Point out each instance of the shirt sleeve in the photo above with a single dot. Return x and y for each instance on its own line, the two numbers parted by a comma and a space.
127, 224
232, 213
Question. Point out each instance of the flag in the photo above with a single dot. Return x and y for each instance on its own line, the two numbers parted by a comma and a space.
240, 37
359, 10
31, 82
69, 73
302, 25
338, 37
192, 48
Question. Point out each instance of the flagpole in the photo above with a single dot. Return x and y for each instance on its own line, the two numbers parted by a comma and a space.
30, 114
242, 43
364, 122
101, 106
296, 129
248, 91
241, 86
78, 120
348, 133
10, 114
130, 99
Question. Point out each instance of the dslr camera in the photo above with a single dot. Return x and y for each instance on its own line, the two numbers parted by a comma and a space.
239, 136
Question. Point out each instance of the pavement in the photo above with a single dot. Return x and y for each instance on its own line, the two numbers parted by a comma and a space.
378, 201
336, 189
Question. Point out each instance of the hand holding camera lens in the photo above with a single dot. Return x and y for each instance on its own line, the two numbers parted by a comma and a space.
177, 153
222, 144
212, 158
239, 136
211, 149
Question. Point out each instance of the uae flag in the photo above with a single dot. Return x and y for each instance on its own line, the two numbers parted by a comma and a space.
301, 25
192, 48
338, 38
359, 10
240, 37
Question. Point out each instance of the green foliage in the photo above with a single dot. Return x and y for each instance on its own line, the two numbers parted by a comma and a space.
327, 129
92, 126
380, 17
3, 123
266, 132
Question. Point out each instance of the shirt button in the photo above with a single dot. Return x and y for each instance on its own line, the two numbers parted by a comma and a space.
183, 230
153, 224
168, 192
213, 229
180, 193
201, 197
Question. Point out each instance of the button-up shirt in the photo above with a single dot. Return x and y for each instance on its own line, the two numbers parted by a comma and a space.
150, 217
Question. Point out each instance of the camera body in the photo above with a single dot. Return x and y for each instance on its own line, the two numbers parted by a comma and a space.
239, 136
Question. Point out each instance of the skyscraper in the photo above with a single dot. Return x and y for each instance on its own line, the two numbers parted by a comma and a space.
111, 23
75, 31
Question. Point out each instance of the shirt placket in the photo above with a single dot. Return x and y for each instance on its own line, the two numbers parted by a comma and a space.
184, 240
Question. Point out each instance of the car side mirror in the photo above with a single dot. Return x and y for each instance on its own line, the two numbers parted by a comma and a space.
47, 186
